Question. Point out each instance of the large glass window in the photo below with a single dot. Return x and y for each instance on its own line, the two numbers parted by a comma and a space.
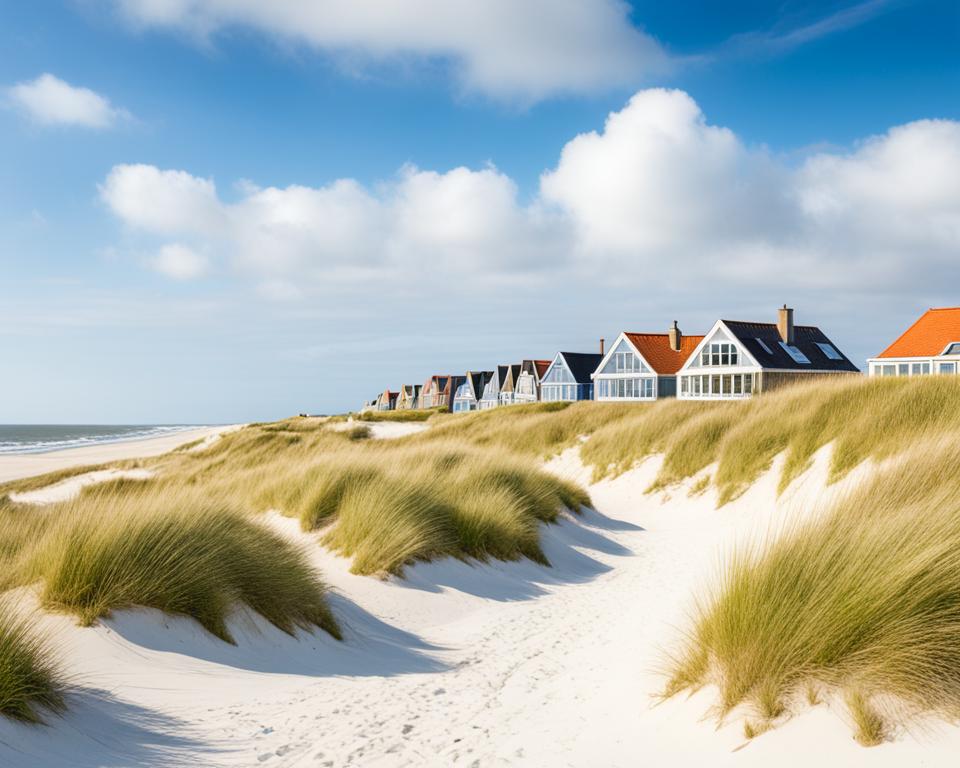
720, 353
948, 367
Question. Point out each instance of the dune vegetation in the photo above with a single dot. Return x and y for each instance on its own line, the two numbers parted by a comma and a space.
401, 415
173, 549
863, 600
873, 418
30, 679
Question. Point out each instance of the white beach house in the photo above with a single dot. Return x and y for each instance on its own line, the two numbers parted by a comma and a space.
738, 359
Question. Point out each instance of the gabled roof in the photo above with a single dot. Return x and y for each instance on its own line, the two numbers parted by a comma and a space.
541, 367
656, 350
581, 364
929, 335
806, 338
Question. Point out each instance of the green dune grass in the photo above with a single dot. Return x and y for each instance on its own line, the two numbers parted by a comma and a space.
31, 682
864, 601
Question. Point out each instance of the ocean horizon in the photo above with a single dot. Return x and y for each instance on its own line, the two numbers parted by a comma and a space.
42, 438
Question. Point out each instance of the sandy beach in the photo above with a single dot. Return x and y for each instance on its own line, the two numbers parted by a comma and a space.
16, 466
502, 663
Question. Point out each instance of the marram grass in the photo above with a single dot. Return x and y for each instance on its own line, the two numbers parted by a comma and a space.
862, 417
393, 504
177, 551
31, 682
863, 600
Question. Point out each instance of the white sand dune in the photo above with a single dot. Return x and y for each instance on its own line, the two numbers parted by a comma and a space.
71, 487
458, 664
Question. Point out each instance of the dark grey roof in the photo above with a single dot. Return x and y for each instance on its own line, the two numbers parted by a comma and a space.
478, 380
581, 364
806, 338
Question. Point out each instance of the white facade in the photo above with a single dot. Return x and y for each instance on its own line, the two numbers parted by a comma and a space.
623, 374
947, 362
720, 368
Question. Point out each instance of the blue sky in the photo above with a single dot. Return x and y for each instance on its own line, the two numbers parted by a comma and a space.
250, 213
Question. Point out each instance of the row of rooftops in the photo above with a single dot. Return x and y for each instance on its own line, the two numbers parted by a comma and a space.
772, 346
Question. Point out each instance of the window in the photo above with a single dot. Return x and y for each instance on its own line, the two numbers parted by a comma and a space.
903, 369
763, 344
953, 349
796, 354
684, 385
829, 351
627, 362
948, 367
720, 353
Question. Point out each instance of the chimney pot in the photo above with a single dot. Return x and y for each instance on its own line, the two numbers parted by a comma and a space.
785, 324
601, 347
675, 337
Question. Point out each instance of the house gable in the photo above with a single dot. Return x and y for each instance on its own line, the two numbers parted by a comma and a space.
623, 359
720, 334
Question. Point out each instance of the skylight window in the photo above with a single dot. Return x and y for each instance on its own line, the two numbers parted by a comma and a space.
763, 344
829, 351
796, 354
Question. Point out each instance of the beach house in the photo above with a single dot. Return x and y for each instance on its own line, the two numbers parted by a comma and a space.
569, 377
527, 388
491, 390
508, 384
643, 366
409, 397
930, 345
468, 394
435, 391
387, 401
738, 359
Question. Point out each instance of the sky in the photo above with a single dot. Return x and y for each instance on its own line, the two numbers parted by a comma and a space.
216, 211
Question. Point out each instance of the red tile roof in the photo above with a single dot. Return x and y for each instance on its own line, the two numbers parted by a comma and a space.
655, 348
542, 366
928, 336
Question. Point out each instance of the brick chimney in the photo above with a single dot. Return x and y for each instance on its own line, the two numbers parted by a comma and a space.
601, 347
675, 337
785, 324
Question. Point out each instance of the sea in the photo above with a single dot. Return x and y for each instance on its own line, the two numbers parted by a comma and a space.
39, 438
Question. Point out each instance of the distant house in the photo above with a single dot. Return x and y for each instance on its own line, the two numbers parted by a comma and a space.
643, 366
387, 401
437, 391
468, 394
409, 397
738, 359
508, 385
569, 377
930, 345
527, 389
491, 391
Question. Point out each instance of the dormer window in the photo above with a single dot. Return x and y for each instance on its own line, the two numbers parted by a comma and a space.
953, 349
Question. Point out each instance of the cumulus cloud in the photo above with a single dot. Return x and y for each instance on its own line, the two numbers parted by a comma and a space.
180, 262
659, 198
51, 101
502, 48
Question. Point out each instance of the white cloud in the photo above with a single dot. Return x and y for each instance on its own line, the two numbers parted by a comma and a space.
659, 199
180, 262
51, 101
163, 202
504, 48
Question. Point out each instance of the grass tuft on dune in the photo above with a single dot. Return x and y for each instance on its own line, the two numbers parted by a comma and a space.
394, 504
30, 679
862, 417
863, 600
172, 549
